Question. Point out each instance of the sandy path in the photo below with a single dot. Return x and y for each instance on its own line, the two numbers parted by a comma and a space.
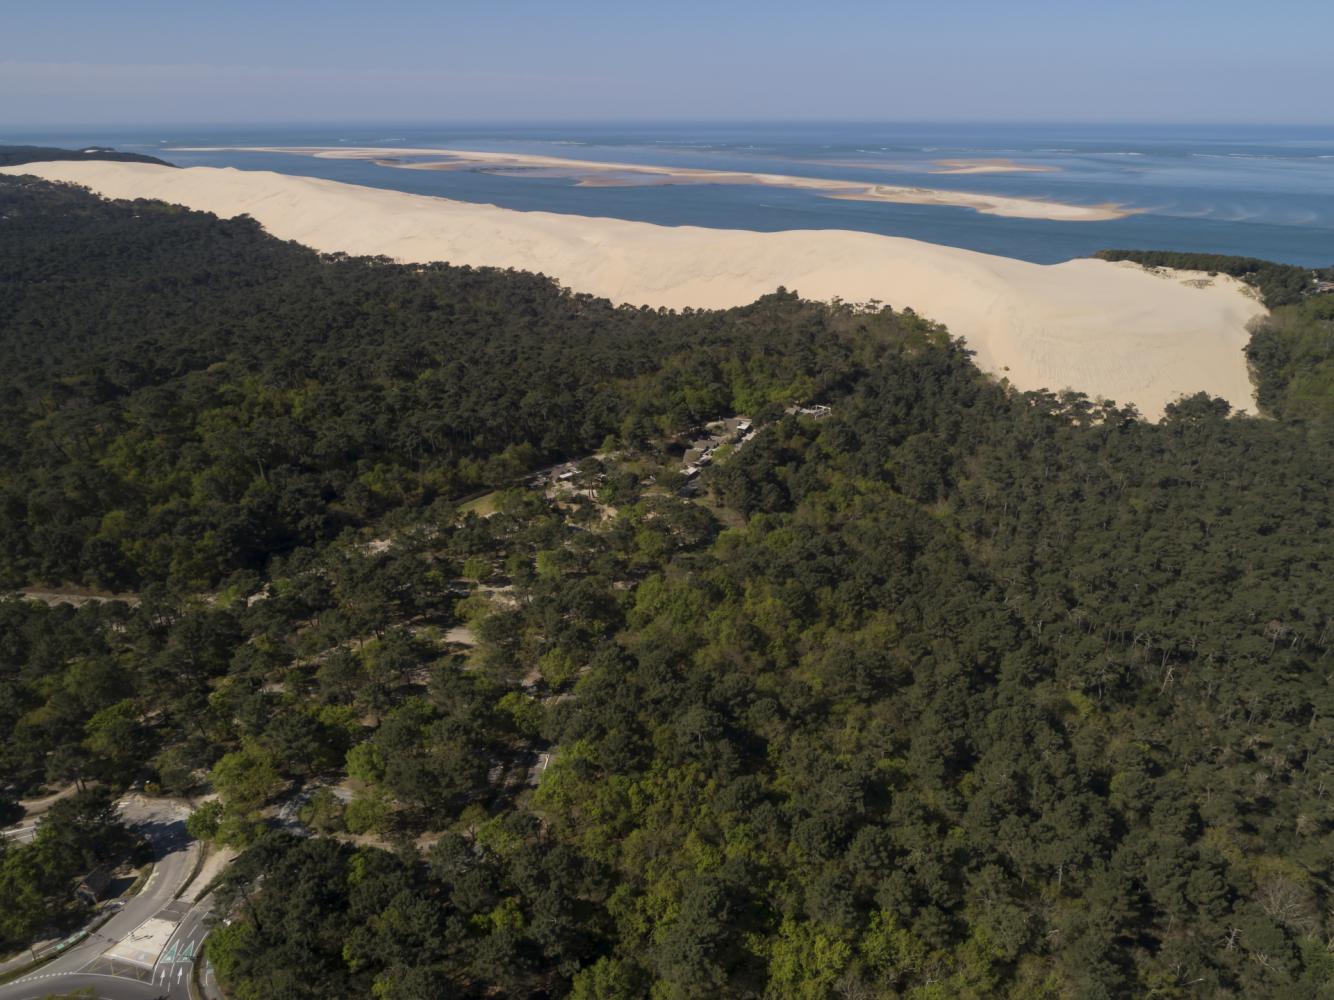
74, 596
1110, 330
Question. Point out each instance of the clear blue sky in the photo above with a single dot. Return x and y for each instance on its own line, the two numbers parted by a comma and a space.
177, 61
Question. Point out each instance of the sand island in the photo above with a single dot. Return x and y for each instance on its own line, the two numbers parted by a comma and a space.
991, 166
597, 173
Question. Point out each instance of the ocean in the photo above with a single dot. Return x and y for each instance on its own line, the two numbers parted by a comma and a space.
1256, 191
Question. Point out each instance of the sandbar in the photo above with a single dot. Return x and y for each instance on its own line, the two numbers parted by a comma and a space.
598, 173
992, 166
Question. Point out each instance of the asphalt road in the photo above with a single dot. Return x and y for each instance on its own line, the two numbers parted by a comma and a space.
87, 964
38, 986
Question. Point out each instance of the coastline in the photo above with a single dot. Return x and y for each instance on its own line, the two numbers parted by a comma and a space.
599, 173
1014, 208
1109, 330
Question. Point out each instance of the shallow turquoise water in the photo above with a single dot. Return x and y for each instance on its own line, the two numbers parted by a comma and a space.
1258, 191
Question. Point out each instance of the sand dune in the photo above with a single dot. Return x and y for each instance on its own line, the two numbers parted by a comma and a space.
1111, 330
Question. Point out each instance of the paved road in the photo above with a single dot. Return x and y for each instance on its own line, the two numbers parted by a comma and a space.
97, 962
33, 810
38, 986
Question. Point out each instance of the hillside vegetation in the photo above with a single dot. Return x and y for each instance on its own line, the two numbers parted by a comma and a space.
12, 156
953, 691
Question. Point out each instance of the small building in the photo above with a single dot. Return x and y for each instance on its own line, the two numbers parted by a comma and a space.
93, 886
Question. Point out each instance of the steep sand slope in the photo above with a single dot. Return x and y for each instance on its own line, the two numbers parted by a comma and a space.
1110, 330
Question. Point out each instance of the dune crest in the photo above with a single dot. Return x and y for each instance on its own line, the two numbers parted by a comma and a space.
1110, 330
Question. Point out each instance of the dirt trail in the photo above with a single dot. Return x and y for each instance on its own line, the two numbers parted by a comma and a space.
75, 596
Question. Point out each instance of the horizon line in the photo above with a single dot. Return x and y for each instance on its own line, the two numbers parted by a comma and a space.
644, 122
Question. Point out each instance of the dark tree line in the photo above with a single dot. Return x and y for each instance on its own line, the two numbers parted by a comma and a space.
11, 156
1278, 284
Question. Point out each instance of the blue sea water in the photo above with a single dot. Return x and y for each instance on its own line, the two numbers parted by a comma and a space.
1257, 191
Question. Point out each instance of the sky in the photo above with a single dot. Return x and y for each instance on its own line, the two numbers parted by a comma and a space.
95, 62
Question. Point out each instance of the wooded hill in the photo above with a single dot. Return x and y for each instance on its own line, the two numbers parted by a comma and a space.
12, 156
954, 692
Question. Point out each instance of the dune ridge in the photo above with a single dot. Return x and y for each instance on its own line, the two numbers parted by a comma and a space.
1111, 330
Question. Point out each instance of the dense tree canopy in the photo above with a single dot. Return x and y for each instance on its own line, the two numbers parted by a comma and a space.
11, 156
182, 397
75, 837
1292, 355
953, 691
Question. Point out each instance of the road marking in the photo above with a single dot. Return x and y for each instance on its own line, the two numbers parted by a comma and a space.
62, 975
145, 943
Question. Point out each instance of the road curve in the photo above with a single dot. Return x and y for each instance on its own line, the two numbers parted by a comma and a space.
90, 964
39, 986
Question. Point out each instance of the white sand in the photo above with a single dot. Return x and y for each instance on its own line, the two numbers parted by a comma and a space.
991, 166
1113, 331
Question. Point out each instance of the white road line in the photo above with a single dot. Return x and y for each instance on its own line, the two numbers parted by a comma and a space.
62, 975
